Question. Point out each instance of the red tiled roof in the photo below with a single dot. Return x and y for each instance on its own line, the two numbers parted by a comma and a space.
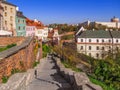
38, 24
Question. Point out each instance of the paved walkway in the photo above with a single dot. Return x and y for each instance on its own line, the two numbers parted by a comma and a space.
48, 78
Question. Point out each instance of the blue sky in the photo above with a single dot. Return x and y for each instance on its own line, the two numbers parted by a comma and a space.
69, 11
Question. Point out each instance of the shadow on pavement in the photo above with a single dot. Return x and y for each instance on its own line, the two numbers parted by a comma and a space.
48, 82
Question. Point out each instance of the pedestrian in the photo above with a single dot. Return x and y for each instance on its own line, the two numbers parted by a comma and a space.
35, 73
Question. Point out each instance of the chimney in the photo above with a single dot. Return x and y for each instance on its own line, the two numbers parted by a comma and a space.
17, 8
35, 20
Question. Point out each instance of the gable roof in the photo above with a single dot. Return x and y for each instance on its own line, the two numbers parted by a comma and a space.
95, 34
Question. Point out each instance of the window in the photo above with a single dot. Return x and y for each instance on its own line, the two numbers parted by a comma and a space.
89, 47
5, 7
89, 40
5, 22
97, 55
39, 32
109, 47
81, 48
97, 48
81, 40
11, 26
102, 55
5, 14
103, 48
19, 28
18, 20
117, 41
23, 21
97, 40
90, 54
11, 10
24, 28
103, 40
11, 18
109, 41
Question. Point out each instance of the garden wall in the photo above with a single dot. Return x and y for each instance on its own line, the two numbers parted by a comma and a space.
10, 40
20, 57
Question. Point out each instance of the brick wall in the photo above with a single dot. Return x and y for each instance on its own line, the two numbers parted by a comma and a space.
9, 40
21, 57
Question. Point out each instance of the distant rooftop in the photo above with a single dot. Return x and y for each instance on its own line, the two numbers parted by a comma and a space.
20, 14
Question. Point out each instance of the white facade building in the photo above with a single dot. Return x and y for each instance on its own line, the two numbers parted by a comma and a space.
42, 33
98, 43
113, 24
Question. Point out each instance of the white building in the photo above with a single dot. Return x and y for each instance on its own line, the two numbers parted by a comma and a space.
113, 24
42, 33
98, 43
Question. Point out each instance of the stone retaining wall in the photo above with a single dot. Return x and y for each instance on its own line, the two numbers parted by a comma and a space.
20, 57
10, 40
78, 80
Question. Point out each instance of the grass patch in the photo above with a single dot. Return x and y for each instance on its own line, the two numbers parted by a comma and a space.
68, 65
35, 64
103, 85
7, 47
3, 49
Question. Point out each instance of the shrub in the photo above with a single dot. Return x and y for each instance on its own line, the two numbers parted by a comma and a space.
103, 85
5, 79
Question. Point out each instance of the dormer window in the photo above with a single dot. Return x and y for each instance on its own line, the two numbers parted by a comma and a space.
117, 41
103, 40
89, 40
81, 40
97, 40
109, 41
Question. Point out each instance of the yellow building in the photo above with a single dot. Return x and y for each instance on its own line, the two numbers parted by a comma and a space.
9, 16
